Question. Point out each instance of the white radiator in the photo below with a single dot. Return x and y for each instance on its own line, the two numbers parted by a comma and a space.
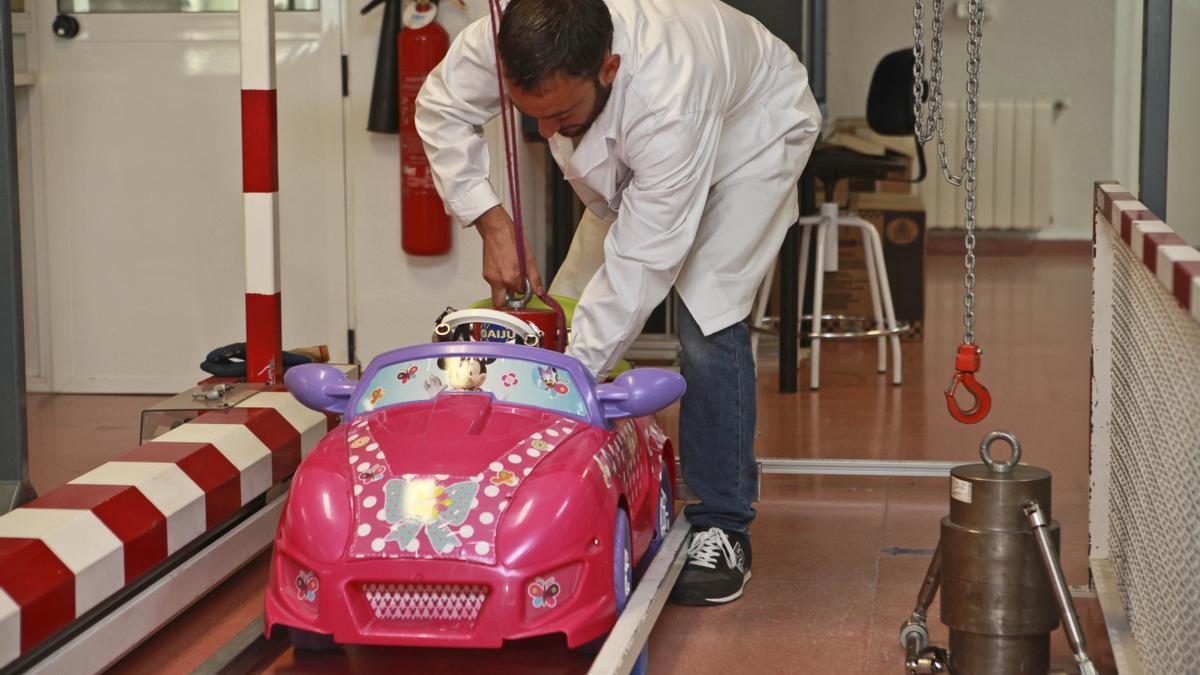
1013, 157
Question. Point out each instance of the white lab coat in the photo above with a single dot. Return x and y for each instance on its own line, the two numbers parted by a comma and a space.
694, 161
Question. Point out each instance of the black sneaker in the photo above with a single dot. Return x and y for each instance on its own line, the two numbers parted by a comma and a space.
717, 569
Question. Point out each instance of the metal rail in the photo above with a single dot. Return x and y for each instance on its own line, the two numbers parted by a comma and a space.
14, 462
632, 630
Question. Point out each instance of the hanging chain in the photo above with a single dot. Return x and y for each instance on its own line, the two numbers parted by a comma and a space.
926, 123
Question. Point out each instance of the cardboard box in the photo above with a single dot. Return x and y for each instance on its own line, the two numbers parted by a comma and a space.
900, 221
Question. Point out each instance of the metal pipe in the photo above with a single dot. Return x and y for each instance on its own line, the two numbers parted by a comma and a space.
1066, 609
815, 49
14, 460
929, 587
1156, 105
914, 635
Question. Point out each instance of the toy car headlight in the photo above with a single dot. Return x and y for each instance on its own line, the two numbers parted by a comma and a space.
319, 513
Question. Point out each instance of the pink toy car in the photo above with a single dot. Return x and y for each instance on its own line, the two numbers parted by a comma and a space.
474, 493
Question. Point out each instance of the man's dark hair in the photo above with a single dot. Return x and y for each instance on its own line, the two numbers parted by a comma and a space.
542, 38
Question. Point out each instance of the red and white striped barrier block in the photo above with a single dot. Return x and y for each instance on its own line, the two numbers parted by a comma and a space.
67, 551
260, 189
1174, 262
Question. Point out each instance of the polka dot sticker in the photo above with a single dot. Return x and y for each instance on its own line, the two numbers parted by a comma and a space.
474, 503
364, 466
527, 471
352, 437
382, 515
377, 545
495, 466
536, 436
533, 452
372, 447
364, 530
514, 459
552, 433
486, 518
491, 490
379, 455
442, 476
466, 531
482, 548
414, 546
447, 548
353, 458
369, 502
358, 490
503, 504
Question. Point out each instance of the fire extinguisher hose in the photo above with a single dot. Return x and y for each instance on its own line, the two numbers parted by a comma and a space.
509, 124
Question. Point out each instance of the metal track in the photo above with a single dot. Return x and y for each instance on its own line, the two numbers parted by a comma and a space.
1116, 622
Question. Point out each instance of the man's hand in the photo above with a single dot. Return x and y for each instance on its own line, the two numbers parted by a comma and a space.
500, 266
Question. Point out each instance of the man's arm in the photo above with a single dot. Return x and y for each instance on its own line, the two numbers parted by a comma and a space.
460, 95
500, 268
646, 246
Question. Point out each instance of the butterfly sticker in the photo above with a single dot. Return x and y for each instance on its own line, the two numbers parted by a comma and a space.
548, 378
376, 394
422, 503
371, 475
307, 585
406, 375
544, 592
504, 477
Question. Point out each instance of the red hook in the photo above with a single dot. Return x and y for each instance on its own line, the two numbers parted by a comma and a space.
965, 365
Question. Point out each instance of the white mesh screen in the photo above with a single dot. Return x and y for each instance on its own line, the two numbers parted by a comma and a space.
1154, 479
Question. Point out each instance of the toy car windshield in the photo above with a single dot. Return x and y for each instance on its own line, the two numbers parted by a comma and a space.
522, 381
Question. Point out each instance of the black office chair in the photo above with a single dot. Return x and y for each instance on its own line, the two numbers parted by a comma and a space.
889, 113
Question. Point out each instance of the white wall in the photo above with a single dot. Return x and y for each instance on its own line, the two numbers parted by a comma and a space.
1061, 50
395, 296
1183, 168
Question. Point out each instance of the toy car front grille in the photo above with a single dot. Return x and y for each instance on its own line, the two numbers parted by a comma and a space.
433, 603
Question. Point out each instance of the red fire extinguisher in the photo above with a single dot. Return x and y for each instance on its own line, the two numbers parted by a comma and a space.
424, 225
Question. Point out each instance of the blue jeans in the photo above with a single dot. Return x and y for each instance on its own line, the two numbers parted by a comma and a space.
716, 425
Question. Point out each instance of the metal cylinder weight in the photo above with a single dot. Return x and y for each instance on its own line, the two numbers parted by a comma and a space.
995, 597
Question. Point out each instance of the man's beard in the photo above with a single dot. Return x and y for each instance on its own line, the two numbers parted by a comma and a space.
576, 130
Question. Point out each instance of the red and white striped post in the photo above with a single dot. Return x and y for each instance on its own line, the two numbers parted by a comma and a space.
260, 188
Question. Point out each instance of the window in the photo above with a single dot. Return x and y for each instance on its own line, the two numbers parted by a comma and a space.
508, 380
170, 6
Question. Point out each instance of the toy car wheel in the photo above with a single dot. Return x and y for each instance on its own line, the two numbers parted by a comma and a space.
308, 641
664, 515
623, 578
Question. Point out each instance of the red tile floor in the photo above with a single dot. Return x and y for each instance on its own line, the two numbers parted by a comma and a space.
837, 560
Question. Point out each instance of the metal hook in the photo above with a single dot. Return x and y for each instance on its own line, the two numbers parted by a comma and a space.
519, 302
983, 399
966, 363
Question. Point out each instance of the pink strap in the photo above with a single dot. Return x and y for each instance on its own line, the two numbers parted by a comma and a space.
509, 123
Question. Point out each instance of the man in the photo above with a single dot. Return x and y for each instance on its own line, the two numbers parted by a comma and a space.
683, 126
